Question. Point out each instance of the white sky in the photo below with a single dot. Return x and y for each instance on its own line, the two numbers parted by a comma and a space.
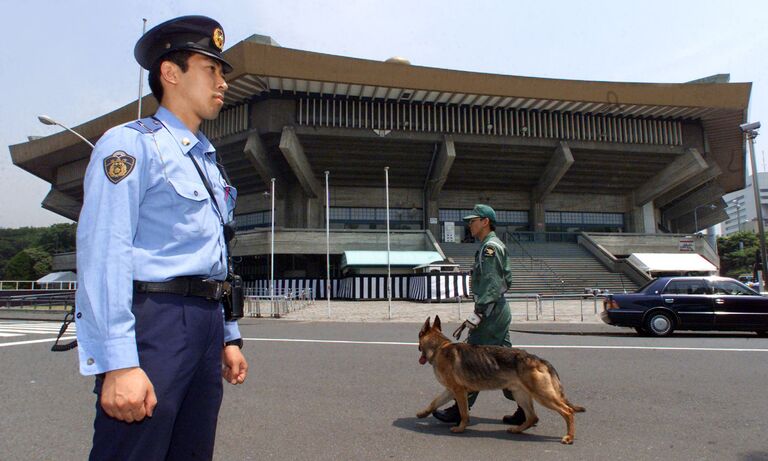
73, 60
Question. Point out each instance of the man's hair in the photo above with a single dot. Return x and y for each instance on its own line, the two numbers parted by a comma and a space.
179, 58
492, 226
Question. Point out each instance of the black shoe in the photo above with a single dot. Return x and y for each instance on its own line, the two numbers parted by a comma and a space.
514, 420
449, 415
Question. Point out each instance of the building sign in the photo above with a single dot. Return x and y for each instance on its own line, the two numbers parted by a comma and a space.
433, 220
449, 231
687, 245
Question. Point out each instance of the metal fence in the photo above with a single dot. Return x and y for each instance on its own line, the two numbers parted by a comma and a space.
33, 285
51, 301
259, 303
556, 306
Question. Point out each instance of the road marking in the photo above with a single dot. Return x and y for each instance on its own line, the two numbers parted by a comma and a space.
9, 329
522, 346
34, 341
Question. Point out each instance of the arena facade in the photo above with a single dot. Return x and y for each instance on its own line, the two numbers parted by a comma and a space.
638, 161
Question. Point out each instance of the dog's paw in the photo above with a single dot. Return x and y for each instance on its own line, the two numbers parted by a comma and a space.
567, 440
457, 429
423, 414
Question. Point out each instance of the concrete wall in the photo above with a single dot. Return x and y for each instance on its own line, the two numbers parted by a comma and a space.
626, 244
302, 241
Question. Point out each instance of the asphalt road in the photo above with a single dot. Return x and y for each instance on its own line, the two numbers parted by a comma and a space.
692, 396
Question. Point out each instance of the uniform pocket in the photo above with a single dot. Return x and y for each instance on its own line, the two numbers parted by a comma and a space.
190, 202
189, 190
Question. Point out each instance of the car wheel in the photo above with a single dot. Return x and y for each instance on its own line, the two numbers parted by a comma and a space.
659, 324
641, 331
762, 333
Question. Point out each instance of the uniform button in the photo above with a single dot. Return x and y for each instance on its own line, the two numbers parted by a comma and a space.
195, 193
90, 361
79, 314
185, 141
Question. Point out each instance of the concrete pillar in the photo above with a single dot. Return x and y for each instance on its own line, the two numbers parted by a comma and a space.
294, 154
649, 218
62, 204
683, 168
642, 219
537, 217
306, 194
257, 154
437, 177
558, 165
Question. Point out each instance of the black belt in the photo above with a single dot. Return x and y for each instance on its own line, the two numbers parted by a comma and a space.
185, 286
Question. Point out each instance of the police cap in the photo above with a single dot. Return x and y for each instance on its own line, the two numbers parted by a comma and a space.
482, 211
188, 33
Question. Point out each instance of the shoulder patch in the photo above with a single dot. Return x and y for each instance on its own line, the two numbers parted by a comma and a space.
489, 251
147, 125
118, 166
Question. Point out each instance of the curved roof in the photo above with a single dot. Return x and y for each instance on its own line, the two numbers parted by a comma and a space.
265, 69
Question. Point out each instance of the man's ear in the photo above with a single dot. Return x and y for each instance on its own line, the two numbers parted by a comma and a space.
169, 72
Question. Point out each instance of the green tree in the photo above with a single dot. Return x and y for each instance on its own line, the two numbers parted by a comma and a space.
57, 238
28, 264
737, 253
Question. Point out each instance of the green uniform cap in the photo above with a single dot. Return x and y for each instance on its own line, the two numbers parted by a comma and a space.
482, 211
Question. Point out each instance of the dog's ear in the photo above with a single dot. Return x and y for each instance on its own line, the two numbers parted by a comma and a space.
424, 328
437, 323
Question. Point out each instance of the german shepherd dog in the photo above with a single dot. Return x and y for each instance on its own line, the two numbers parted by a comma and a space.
464, 368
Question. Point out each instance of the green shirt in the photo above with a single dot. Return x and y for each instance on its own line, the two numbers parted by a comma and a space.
491, 275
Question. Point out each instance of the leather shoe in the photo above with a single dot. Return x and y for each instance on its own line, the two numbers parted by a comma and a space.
514, 420
449, 415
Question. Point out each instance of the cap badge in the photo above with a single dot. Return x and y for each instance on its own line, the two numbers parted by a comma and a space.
118, 165
218, 38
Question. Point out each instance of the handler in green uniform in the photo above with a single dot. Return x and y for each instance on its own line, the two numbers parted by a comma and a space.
489, 323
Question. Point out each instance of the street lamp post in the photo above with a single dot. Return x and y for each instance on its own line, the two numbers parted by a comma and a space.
711, 206
750, 129
46, 120
738, 212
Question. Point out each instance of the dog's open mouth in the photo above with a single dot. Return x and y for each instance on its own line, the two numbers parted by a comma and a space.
423, 359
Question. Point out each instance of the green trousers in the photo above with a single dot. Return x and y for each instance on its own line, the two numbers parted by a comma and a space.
492, 331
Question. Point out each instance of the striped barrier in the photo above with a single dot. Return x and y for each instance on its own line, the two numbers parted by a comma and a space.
417, 287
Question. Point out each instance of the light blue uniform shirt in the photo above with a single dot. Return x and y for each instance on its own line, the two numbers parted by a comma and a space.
146, 216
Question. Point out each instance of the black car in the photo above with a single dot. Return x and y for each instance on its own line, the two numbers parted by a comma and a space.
666, 304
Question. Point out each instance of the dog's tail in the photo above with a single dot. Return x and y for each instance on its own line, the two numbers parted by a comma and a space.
556, 381
576, 408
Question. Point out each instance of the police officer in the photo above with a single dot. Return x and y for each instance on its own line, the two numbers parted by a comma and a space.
152, 260
489, 323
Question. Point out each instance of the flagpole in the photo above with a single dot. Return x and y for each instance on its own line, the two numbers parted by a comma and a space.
328, 243
272, 255
141, 70
389, 270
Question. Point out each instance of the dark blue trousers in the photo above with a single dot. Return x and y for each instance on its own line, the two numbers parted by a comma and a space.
179, 340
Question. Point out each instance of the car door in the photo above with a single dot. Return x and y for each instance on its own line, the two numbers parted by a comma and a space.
691, 299
738, 307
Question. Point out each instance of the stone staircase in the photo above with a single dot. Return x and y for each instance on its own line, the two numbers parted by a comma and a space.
548, 268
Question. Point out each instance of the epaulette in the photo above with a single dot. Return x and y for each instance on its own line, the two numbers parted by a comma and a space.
146, 125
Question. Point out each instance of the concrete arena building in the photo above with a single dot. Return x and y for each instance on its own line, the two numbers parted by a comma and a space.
634, 160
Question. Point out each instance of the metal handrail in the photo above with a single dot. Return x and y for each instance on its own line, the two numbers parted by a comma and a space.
38, 299
541, 263
13, 285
